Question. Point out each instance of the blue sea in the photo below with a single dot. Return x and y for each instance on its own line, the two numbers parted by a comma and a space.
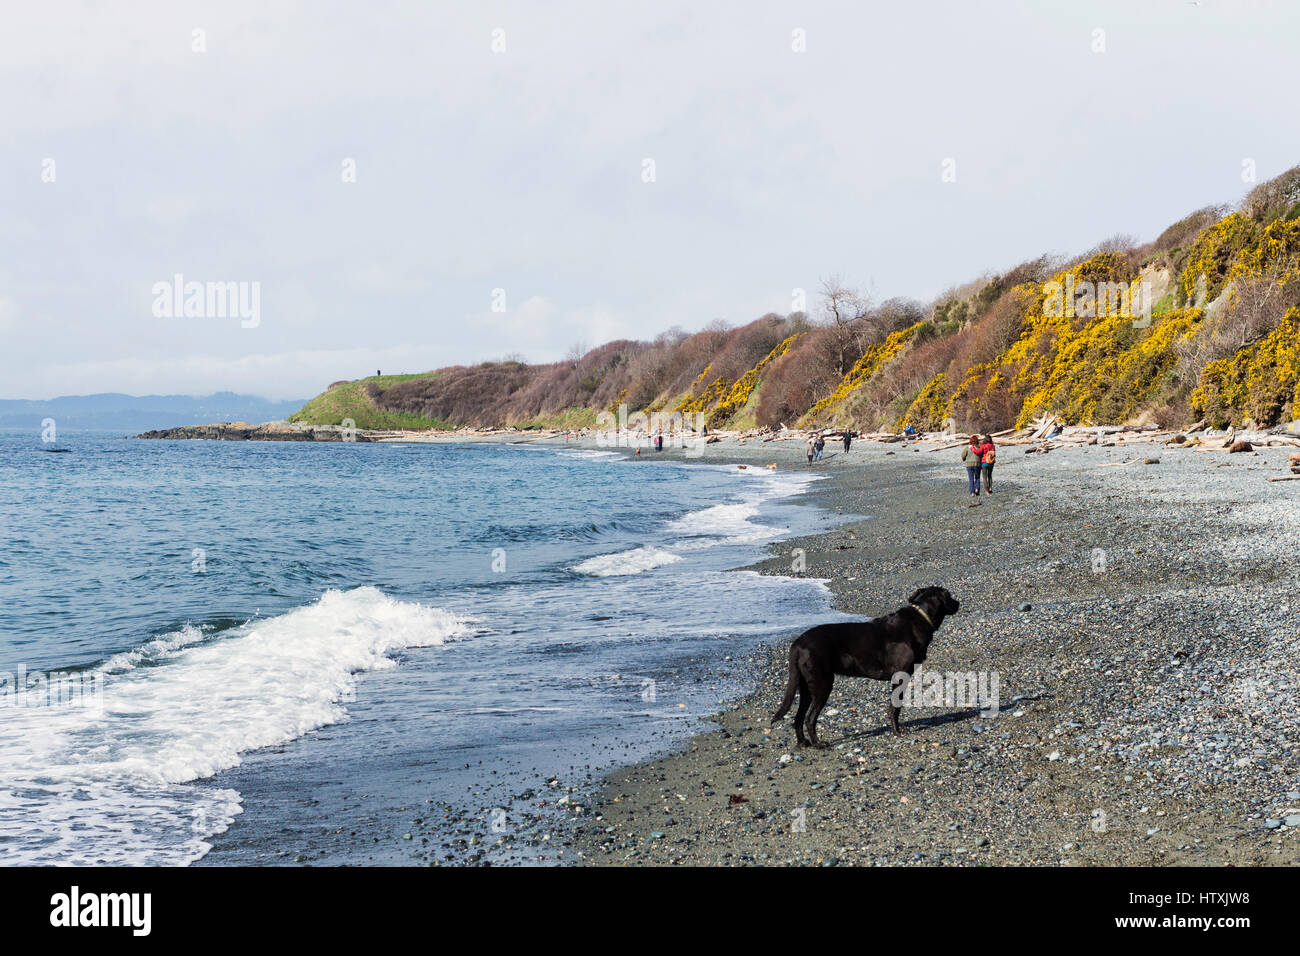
252, 646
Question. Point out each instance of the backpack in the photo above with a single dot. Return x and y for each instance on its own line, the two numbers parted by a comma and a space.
991, 455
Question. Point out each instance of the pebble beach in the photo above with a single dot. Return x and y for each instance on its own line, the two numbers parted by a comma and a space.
1139, 619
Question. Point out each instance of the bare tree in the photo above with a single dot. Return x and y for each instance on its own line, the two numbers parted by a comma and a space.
1271, 199
1120, 242
672, 338
1254, 306
843, 312
892, 315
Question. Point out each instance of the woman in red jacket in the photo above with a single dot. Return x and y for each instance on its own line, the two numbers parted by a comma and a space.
988, 455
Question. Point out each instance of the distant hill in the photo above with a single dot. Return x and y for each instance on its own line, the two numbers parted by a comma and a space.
136, 413
1201, 323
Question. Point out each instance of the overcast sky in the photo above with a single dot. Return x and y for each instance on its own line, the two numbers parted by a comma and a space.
135, 149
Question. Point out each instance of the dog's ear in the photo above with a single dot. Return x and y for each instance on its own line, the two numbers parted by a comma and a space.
916, 596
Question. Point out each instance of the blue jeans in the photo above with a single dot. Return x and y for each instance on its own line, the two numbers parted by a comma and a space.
973, 479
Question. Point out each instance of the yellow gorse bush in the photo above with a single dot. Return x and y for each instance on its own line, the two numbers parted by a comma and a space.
1212, 254
1260, 382
929, 410
1078, 367
862, 370
739, 393
1109, 367
1034, 368
1082, 366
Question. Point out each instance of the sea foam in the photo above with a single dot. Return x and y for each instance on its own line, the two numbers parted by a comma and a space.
626, 562
85, 785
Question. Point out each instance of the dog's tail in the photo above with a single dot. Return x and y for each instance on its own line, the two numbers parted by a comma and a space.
790, 689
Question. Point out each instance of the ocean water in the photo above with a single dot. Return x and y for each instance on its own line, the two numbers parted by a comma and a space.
183, 622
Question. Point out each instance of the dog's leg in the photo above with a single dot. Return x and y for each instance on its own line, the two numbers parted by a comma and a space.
892, 713
821, 692
805, 701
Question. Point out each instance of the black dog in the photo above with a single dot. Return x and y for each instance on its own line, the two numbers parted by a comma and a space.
879, 648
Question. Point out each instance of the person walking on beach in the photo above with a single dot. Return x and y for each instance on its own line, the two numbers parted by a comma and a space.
809, 442
972, 457
848, 439
987, 458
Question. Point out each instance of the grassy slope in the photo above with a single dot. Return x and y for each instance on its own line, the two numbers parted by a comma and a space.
746, 417
350, 400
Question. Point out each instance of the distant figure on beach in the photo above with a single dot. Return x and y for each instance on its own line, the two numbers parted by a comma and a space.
987, 459
972, 457
659, 440
818, 445
809, 442
848, 439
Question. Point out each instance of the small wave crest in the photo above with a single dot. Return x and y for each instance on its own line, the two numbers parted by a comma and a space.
102, 782
626, 562
731, 521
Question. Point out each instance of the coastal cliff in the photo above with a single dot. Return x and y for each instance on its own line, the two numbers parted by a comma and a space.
1199, 324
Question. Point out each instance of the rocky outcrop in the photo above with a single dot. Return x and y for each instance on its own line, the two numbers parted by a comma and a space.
270, 431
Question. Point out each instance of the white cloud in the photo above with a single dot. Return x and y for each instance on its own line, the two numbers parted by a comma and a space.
8, 314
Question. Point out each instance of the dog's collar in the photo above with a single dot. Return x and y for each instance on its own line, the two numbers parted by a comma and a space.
921, 611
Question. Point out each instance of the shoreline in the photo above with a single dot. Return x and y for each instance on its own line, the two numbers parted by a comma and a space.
959, 789
1148, 707
385, 811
